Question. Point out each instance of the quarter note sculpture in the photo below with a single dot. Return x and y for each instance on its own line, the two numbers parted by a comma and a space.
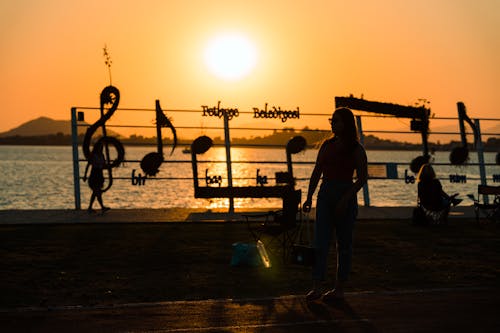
151, 162
460, 155
110, 97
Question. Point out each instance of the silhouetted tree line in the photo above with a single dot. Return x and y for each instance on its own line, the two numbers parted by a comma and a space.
277, 138
58, 139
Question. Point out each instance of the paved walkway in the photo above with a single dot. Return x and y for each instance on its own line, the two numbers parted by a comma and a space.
432, 310
188, 215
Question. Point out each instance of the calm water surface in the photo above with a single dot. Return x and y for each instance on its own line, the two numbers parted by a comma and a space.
41, 177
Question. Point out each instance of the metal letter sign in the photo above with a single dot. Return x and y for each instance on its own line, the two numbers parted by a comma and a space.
218, 112
284, 115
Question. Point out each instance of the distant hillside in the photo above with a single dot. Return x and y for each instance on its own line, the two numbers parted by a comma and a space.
40, 126
46, 131
44, 126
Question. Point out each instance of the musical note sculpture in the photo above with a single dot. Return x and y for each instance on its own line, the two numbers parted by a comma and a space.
419, 123
110, 97
460, 155
151, 162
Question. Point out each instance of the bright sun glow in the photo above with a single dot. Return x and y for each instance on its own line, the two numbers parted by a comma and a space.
230, 57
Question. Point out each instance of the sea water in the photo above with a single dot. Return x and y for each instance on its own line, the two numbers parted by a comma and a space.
41, 177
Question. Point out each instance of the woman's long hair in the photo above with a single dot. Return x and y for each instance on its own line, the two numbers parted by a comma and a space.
426, 173
350, 133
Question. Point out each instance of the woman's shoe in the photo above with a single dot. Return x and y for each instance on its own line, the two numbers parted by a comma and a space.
332, 296
313, 295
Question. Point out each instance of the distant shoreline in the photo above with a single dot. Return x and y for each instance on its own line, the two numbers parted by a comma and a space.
242, 146
274, 141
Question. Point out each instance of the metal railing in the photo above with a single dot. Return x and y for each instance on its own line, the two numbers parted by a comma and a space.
78, 114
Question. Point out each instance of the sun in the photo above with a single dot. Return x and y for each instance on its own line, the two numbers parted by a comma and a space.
230, 57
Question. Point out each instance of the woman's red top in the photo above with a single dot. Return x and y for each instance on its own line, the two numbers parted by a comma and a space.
336, 162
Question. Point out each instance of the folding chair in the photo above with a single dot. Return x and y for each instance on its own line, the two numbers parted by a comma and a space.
277, 229
280, 226
426, 216
490, 210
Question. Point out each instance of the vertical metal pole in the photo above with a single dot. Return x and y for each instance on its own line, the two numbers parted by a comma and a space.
159, 139
227, 142
76, 166
194, 165
425, 132
366, 194
480, 157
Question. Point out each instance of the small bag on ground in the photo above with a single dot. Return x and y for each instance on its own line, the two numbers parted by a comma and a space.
303, 251
254, 255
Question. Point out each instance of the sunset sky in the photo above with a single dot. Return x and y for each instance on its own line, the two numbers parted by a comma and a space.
296, 53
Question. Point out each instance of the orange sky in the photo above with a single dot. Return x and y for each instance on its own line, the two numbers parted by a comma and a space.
308, 52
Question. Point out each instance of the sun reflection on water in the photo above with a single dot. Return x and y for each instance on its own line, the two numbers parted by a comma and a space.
42, 178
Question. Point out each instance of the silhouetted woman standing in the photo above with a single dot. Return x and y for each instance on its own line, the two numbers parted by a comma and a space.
96, 178
336, 207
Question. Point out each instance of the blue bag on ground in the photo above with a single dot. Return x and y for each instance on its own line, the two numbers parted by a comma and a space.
249, 255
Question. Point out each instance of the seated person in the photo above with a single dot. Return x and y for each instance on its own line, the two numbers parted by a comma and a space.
430, 192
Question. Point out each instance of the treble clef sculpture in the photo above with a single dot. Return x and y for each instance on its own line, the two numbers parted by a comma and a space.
110, 96
151, 162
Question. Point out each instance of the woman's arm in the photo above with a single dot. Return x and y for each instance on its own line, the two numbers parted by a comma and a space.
361, 170
313, 182
440, 186
361, 165
86, 170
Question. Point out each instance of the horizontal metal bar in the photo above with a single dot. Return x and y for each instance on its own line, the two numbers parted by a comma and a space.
291, 130
269, 178
299, 162
251, 112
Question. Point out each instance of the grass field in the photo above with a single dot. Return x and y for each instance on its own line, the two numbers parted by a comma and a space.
51, 265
